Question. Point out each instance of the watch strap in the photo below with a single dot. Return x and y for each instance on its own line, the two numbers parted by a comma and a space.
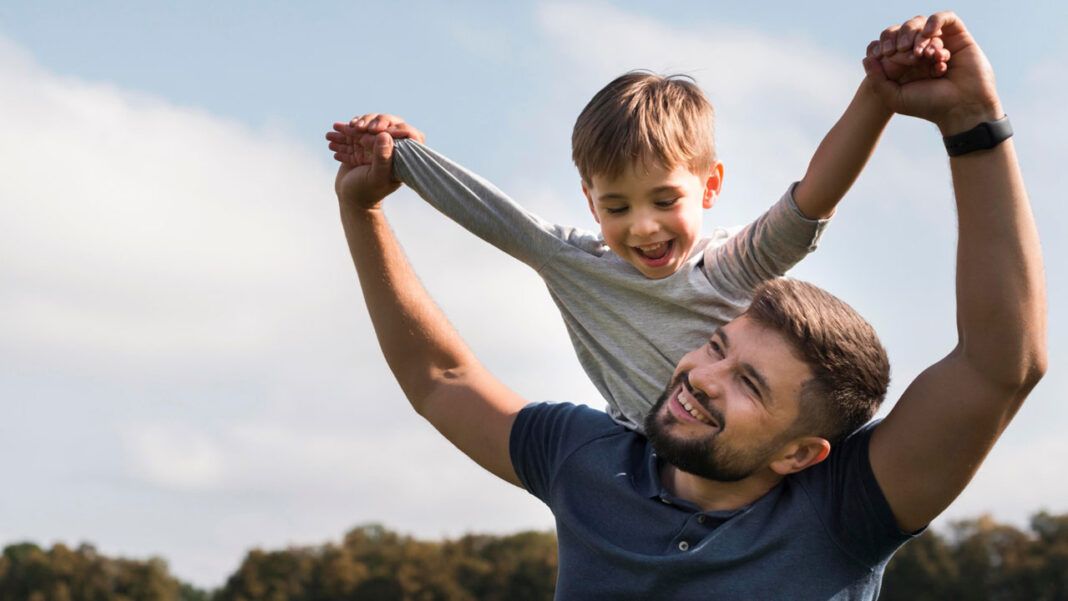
984, 136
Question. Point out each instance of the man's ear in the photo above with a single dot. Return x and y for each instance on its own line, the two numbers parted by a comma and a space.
713, 185
799, 454
589, 201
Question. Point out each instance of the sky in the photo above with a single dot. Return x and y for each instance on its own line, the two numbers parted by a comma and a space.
186, 367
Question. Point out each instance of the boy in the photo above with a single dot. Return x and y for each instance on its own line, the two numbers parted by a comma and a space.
648, 289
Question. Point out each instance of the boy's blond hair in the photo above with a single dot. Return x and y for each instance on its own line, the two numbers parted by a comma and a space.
648, 119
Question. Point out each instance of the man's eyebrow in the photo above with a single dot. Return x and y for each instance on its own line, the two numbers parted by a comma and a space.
749, 370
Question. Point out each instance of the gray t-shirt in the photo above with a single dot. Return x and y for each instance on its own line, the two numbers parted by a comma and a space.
628, 331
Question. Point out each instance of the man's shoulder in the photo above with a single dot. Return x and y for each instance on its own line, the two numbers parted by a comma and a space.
566, 421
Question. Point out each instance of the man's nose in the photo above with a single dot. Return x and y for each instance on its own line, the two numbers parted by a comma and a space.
707, 380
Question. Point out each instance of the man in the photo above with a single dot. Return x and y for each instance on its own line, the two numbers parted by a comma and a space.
746, 488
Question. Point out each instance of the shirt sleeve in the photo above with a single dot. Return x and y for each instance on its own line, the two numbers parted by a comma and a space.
844, 491
545, 434
763, 250
481, 208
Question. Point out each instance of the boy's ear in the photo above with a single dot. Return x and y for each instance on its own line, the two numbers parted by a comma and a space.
589, 201
799, 454
713, 185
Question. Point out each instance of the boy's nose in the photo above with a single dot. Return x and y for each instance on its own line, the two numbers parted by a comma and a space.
644, 226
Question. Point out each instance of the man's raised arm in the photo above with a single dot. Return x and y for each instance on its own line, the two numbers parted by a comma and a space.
439, 374
933, 441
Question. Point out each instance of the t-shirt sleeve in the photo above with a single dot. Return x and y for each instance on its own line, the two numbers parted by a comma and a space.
844, 491
545, 434
763, 250
480, 207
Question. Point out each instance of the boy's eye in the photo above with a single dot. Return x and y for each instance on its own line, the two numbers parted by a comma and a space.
667, 202
615, 210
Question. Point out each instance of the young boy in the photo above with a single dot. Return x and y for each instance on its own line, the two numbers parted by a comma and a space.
648, 289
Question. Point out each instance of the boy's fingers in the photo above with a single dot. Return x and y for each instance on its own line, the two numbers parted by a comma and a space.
888, 39
906, 36
873, 47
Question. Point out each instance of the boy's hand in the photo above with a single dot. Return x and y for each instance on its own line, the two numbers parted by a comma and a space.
363, 187
354, 141
906, 54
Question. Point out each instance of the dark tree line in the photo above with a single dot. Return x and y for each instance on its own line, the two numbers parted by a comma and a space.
977, 559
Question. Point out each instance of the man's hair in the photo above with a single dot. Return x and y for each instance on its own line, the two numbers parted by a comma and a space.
851, 371
646, 119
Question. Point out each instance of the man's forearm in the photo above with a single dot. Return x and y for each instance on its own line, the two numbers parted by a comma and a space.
842, 154
1001, 301
417, 340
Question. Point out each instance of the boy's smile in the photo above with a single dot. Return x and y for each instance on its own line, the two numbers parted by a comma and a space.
651, 217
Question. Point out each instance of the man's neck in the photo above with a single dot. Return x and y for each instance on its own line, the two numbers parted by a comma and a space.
713, 495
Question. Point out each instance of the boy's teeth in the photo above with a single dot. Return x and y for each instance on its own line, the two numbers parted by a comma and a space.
654, 251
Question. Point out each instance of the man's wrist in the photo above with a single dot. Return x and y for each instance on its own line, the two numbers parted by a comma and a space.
966, 118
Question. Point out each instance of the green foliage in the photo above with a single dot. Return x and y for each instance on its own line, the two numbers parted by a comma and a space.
973, 559
30, 573
981, 559
374, 563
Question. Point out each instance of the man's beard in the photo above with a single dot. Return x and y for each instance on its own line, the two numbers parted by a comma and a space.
705, 456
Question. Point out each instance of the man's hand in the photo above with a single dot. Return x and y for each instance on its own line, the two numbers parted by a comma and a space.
365, 186
964, 97
364, 147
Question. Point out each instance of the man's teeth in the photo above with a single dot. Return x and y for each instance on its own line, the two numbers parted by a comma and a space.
690, 408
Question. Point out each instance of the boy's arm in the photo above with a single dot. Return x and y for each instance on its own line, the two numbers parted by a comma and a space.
466, 198
842, 154
931, 444
439, 374
845, 149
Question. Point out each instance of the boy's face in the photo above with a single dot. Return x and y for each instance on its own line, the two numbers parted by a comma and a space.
652, 217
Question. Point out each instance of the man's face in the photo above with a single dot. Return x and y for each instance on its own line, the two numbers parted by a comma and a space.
651, 217
731, 405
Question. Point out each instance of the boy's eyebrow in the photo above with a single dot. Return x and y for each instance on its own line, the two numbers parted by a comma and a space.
652, 192
749, 370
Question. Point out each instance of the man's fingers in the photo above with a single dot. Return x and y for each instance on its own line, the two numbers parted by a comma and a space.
873, 47
382, 158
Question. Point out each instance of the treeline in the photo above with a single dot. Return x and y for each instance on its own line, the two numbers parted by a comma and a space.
970, 560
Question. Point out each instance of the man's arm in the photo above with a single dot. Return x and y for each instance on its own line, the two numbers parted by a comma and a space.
439, 374
933, 441
846, 148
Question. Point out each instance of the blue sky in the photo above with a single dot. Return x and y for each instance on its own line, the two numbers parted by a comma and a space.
185, 366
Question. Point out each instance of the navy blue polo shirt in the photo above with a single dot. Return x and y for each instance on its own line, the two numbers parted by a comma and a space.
824, 533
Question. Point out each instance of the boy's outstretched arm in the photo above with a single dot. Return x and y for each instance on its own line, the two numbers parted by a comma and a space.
845, 150
439, 374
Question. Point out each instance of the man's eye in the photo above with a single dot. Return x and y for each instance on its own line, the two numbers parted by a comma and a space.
713, 346
751, 386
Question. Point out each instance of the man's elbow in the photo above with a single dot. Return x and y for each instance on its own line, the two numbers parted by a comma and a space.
422, 396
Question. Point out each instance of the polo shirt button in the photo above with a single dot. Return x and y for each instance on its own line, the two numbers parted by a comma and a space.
700, 519
684, 546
